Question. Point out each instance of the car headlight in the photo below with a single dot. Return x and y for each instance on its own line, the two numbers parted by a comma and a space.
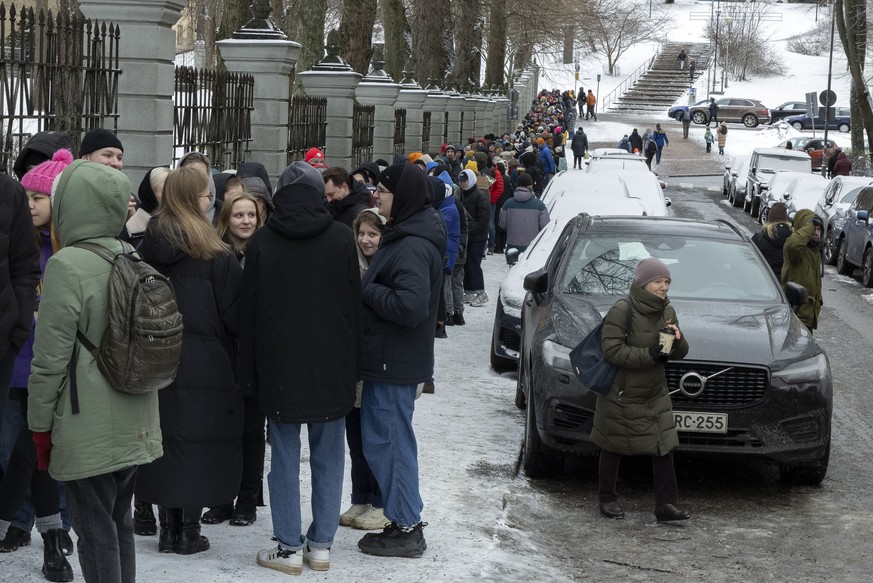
811, 370
557, 355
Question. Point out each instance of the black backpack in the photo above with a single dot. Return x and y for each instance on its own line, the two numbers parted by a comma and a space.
141, 346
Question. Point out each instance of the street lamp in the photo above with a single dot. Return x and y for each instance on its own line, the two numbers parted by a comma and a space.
715, 54
724, 66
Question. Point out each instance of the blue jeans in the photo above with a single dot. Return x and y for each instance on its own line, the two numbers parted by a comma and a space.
327, 457
492, 230
391, 448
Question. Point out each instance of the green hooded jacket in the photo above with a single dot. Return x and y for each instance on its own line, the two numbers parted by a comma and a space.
636, 416
802, 264
112, 430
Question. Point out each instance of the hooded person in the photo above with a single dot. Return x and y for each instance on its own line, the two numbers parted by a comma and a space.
258, 170
367, 172
400, 291
772, 236
843, 166
579, 145
636, 142
149, 199
479, 208
802, 263
523, 216
255, 186
97, 450
302, 258
444, 202
38, 149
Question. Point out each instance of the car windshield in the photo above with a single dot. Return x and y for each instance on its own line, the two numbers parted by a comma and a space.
701, 269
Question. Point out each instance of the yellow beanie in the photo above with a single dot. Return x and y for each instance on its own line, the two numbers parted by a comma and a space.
471, 165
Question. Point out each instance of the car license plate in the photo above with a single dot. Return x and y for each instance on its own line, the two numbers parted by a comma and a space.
701, 422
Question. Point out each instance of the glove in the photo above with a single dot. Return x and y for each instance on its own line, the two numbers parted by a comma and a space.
43, 441
658, 356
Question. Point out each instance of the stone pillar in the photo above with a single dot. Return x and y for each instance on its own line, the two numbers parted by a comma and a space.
469, 117
454, 106
262, 50
501, 115
145, 89
412, 98
379, 90
334, 79
481, 106
436, 103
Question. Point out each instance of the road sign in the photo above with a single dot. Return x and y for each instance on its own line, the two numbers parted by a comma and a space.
810, 104
827, 98
598, 77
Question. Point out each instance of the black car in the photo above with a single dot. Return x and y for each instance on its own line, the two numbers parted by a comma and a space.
786, 109
764, 383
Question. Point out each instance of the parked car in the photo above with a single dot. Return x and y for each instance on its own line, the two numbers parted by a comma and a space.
577, 182
787, 109
855, 244
739, 180
595, 199
777, 189
842, 121
749, 112
764, 164
831, 208
755, 383
805, 193
617, 163
674, 111
796, 143
818, 151
645, 187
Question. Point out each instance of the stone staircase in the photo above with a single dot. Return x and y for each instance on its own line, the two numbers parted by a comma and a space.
659, 87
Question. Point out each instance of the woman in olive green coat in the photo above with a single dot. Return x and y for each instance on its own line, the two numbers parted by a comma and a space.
636, 416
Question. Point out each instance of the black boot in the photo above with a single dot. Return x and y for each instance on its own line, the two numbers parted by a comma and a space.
245, 512
15, 537
217, 514
144, 519
190, 541
55, 566
171, 524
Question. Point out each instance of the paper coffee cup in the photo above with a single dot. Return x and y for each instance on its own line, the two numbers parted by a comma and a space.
665, 340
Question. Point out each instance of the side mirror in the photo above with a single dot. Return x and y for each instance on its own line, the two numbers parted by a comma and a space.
668, 201
863, 216
512, 256
537, 282
797, 295
786, 196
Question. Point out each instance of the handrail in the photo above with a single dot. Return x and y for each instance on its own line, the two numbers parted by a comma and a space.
629, 82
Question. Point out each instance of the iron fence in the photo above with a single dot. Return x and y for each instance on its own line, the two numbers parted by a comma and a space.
399, 132
307, 125
461, 129
425, 131
212, 114
57, 73
445, 127
363, 121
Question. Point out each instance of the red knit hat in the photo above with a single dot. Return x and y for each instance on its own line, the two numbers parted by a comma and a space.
313, 153
41, 177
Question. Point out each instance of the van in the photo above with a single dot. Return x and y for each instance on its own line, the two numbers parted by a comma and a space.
764, 163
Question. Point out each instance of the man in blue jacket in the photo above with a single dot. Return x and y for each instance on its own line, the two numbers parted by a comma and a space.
401, 293
547, 161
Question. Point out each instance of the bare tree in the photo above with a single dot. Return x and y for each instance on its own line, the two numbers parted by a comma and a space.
850, 19
428, 47
311, 33
611, 27
468, 42
356, 31
285, 16
396, 46
495, 62
235, 14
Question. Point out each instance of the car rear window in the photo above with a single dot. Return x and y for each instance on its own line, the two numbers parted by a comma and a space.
773, 164
701, 269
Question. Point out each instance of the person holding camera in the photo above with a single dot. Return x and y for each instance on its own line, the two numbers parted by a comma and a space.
802, 263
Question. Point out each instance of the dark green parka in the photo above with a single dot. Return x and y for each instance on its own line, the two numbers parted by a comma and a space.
802, 264
636, 416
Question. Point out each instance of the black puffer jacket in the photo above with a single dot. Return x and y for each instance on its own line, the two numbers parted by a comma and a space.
346, 210
771, 246
201, 412
19, 266
479, 207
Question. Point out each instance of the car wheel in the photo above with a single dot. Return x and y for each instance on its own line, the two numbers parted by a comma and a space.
536, 461
755, 206
735, 201
811, 474
867, 268
797, 125
750, 120
844, 128
830, 249
762, 216
699, 117
843, 265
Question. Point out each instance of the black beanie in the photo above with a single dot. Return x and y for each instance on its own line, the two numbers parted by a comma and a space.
525, 180
390, 177
98, 139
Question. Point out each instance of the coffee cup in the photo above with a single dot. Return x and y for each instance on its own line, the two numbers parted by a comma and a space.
666, 336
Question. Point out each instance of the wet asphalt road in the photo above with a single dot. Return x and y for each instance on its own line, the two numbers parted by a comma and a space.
746, 525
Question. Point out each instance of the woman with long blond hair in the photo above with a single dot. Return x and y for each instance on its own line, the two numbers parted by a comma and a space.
772, 236
202, 411
238, 221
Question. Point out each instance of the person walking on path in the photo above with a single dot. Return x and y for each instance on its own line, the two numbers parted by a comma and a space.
722, 137
649, 147
843, 166
661, 141
591, 101
579, 145
707, 137
682, 58
636, 142
802, 263
691, 66
713, 113
685, 118
636, 416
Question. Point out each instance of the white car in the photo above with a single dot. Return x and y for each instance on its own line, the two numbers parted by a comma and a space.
506, 336
831, 208
583, 184
739, 173
805, 193
617, 163
646, 187
779, 186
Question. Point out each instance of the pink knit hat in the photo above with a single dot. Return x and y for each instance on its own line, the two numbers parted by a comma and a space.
41, 178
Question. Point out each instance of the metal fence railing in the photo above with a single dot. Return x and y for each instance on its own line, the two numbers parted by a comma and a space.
399, 132
307, 125
426, 121
445, 127
57, 73
363, 121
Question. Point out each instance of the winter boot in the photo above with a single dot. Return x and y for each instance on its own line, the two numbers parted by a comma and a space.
171, 524
246, 511
15, 538
144, 523
190, 541
55, 566
395, 541
217, 514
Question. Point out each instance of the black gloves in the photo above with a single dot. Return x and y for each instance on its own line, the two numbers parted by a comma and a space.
657, 355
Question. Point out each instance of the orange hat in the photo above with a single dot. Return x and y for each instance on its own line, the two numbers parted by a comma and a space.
540, 141
414, 156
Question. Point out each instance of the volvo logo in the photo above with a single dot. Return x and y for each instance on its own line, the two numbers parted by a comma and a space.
692, 384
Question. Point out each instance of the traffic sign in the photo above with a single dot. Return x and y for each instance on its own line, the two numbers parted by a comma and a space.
810, 104
827, 98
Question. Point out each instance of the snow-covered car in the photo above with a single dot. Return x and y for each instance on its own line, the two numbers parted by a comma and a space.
805, 193
778, 187
831, 208
855, 243
568, 181
739, 179
598, 152
817, 149
617, 163
506, 334
755, 383
764, 164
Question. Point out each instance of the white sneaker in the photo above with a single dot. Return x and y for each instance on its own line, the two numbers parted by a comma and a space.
469, 297
353, 511
372, 519
318, 559
480, 300
277, 558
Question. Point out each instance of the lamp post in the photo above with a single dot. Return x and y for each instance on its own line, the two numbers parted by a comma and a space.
724, 65
715, 54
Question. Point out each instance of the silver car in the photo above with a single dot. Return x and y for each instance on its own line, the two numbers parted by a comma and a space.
832, 206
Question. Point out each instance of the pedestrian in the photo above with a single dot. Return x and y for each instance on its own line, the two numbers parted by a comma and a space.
681, 58
692, 64
346, 198
400, 292
315, 158
302, 258
832, 162
713, 112
103, 147
772, 236
97, 450
444, 203
636, 416
802, 263
649, 147
708, 138
495, 191
581, 101
636, 142
22, 475
199, 161
547, 161
453, 287
202, 410
476, 204
238, 221
842, 166
591, 101
685, 118
579, 145
661, 141
38, 149
624, 144
721, 135
523, 217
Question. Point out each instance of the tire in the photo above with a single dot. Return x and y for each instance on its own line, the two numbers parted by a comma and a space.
735, 202
755, 206
797, 125
867, 268
535, 459
844, 128
830, 249
699, 118
843, 265
809, 474
762, 216
750, 120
